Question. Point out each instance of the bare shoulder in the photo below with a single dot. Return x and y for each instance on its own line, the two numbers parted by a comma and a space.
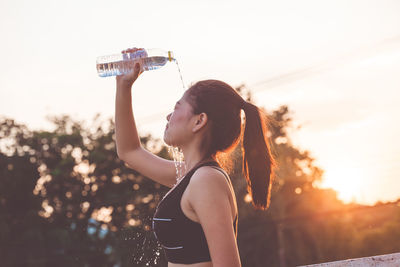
209, 178
210, 185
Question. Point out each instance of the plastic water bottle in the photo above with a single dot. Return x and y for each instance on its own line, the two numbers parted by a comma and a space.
118, 64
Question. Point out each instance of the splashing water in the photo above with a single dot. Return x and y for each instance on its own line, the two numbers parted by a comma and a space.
144, 248
180, 165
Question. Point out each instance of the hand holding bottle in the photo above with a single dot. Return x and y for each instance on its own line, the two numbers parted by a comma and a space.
126, 80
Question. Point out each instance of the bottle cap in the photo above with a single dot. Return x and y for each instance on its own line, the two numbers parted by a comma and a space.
170, 56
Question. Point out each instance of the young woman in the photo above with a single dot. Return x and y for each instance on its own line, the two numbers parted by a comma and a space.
196, 221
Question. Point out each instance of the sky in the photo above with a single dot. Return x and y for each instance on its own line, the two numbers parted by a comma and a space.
336, 64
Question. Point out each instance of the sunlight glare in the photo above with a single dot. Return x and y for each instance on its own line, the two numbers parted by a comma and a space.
347, 181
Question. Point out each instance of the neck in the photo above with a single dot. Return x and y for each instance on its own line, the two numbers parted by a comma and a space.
193, 157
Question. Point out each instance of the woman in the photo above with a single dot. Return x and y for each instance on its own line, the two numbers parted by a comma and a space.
196, 222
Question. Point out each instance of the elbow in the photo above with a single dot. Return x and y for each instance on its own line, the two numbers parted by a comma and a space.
120, 155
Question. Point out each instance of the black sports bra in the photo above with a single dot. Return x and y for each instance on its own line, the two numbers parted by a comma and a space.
182, 239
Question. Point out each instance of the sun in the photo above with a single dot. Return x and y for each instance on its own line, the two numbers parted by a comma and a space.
347, 181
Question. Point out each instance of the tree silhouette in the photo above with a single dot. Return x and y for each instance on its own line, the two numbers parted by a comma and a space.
66, 199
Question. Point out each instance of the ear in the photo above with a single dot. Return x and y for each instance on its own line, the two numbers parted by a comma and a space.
200, 122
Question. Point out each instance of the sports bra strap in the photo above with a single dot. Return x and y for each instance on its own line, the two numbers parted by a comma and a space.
224, 173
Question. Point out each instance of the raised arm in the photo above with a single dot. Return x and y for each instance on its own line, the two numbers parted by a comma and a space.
129, 148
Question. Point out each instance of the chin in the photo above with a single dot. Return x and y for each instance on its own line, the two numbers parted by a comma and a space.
168, 142
165, 140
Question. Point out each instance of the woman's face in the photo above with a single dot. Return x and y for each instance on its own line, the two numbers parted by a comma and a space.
178, 129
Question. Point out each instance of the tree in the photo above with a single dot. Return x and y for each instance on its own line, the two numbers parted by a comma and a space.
20, 225
74, 176
66, 198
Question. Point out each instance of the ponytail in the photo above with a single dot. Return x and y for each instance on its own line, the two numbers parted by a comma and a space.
223, 105
258, 161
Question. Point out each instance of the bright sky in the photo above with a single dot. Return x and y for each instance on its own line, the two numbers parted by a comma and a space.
340, 62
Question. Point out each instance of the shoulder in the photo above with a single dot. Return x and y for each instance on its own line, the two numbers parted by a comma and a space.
208, 184
210, 178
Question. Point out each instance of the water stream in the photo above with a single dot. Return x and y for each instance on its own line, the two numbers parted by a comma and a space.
176, 153
180, 165
180, 74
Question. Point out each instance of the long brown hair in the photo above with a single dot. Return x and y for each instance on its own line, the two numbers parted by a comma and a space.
223, 106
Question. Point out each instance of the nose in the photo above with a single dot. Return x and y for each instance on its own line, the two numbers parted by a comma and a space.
169, 116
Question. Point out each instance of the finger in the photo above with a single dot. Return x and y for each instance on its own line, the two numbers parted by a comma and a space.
137, 68
133, 74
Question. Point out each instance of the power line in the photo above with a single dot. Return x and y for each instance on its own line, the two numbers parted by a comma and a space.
328, 64
305, 72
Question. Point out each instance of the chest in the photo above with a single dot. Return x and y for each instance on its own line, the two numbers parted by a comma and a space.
190, 213
186, 208
178, 202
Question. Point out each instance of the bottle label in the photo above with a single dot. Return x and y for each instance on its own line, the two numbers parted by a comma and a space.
138, 54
